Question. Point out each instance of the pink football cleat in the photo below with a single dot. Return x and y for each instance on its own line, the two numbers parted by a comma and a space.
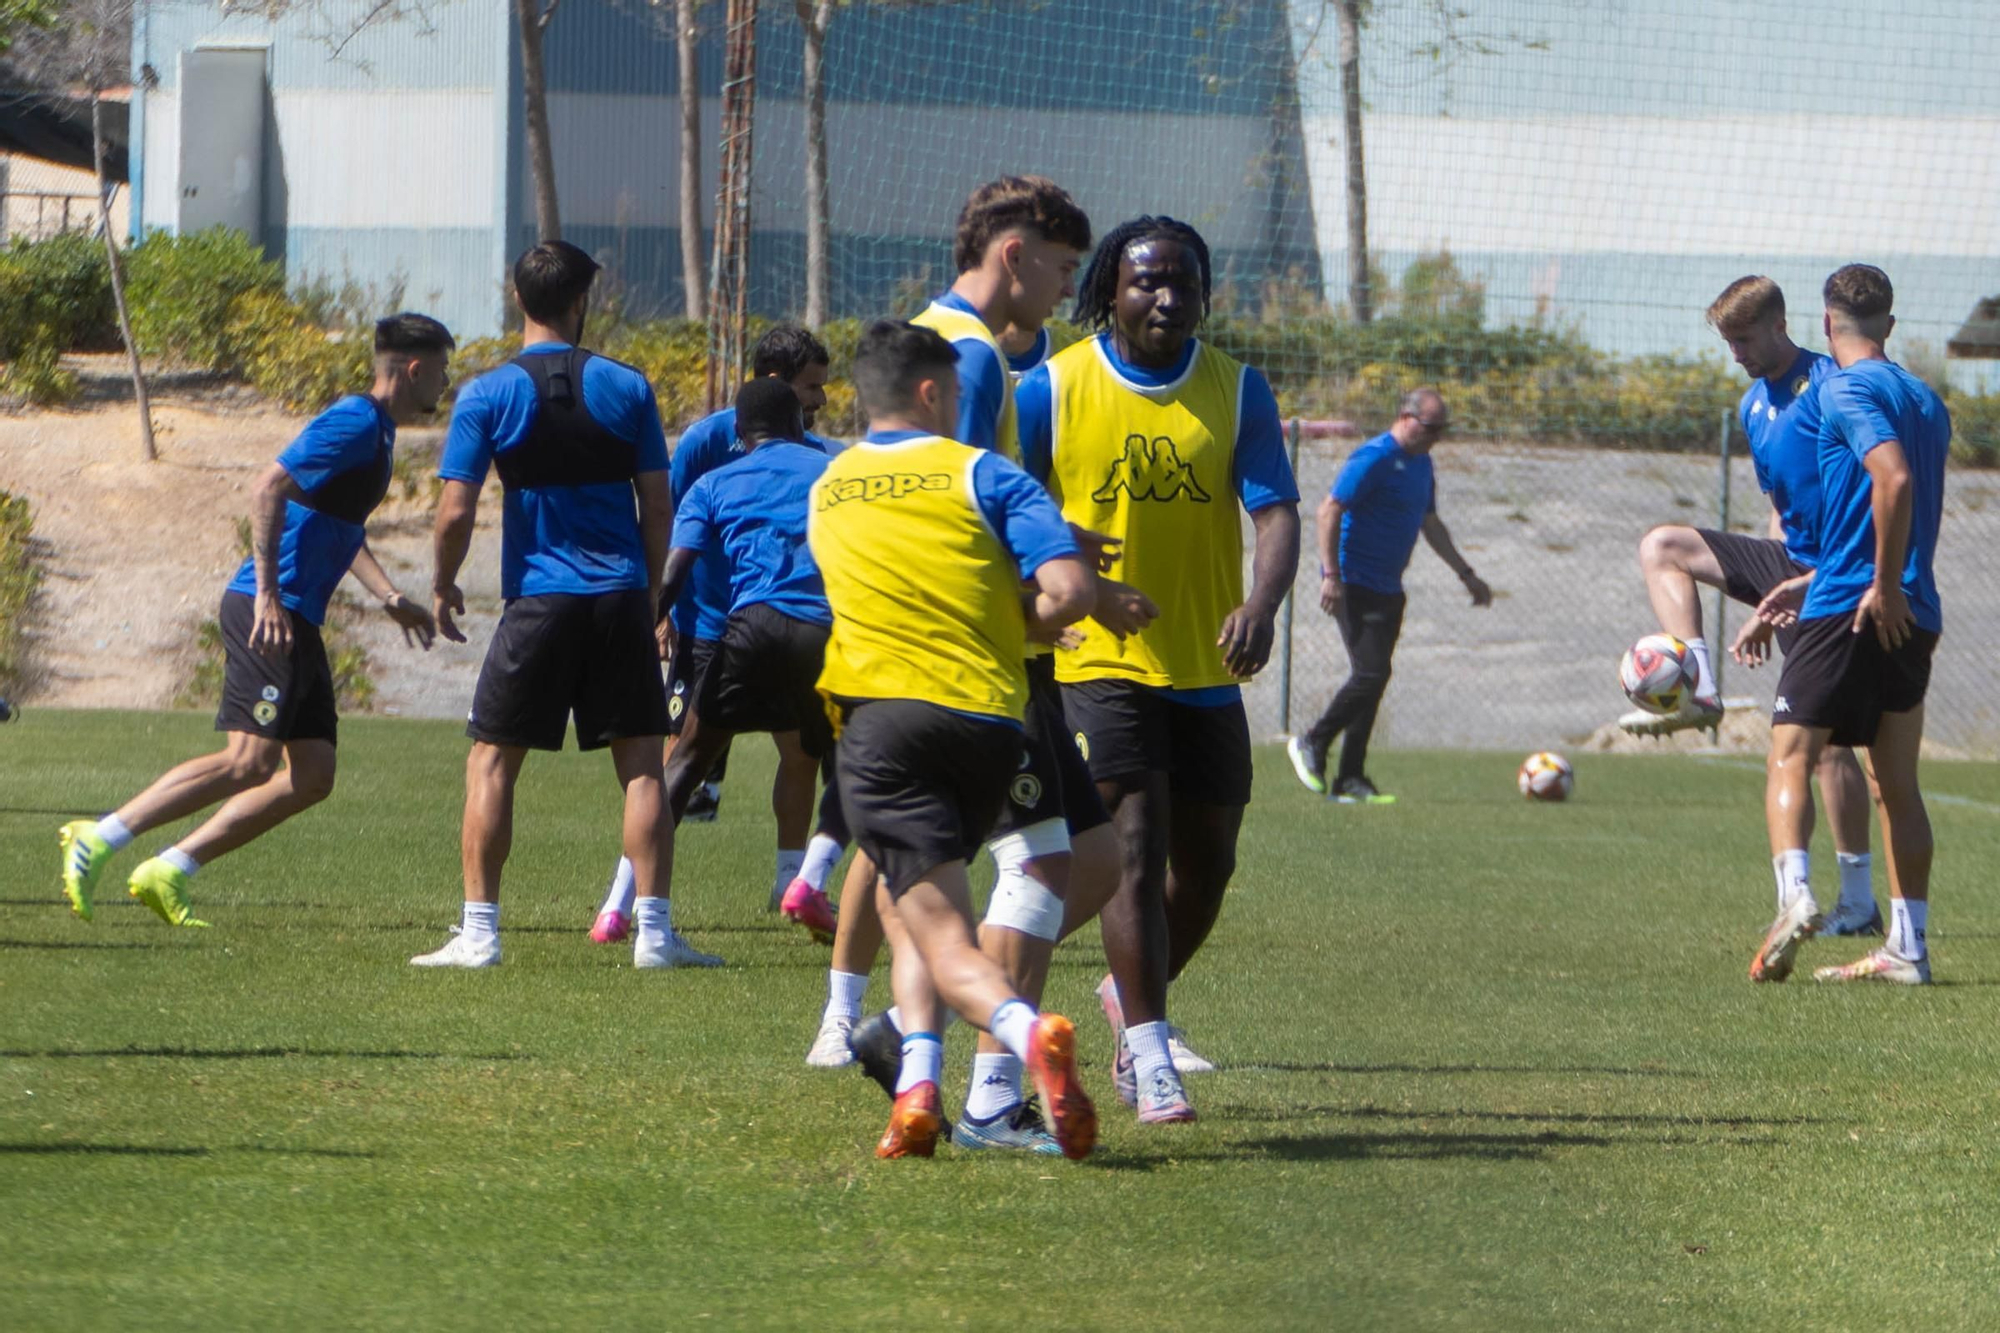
610, 928
811, 908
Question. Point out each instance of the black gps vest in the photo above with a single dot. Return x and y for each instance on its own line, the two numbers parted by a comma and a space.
565, 445
351, 496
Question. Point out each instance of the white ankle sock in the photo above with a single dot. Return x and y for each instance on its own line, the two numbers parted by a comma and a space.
995, 1085
1906, 928
1704, 669
623, 885
1149, 1049
843, 993
180, 861
654, 914
923, 1061
1794, 871
788, 869
822, 855
112, 829
896, 1017
1012, 1022
481, 919
1855, 891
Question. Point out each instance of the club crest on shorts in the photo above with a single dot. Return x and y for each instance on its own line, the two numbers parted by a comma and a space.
676, 706
1083, 745
1026, 791
1800, 385
265, 712
270, 693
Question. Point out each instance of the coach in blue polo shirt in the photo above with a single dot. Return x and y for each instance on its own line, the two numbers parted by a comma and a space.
585, 517
1385, 496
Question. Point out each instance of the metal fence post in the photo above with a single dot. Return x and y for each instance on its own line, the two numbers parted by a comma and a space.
1285, 611
1717, 641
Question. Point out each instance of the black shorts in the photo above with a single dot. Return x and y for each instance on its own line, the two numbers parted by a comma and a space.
921, 785
1124, 729
765, 677
1054, 782
684, 673
287, 698
1751, 566
1845, 681
558, 654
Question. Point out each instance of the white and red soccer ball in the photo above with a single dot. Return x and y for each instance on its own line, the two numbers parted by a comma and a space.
1546, 776
1656, 673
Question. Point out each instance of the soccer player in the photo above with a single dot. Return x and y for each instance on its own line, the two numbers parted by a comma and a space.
794, 356
1143, 432
1780, 413
1384, 497
750, 518
924, 542
1859, 663
586, 516
306, 523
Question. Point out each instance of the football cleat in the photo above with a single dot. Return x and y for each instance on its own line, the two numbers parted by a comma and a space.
829, 1048
1881, 965
463, 950
1852, 921
610, 928
1164, 1101
877, 1046
913, 1124
703, 806
668, 949
1311, 770
1183, 1056
1019, 1127
84, 856
1693, 715
1052, 1061
811, 908
164, 889
1123, 1081
1360, 791
1780, 949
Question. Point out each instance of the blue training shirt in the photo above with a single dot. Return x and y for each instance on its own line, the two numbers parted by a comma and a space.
1387, 493
749, 519
1781, 419
581, 540
316, 548
703, 606
983, 384
1038, 351
1260, 466
1861, 407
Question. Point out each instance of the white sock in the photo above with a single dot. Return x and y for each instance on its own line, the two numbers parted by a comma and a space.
1906, 928
843, 993
896, 1017
923, 1061
1704, 669
1149, 1049
180, 861
788, 869
112, 829
1855, 891
480, 920
1012, 1022
995, 1085
624, 883
654, 915
822, 855
1794, 871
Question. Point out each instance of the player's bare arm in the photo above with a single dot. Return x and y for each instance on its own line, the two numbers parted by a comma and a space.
1884, 603
1065, 593
271, 632
417, 625
656, 524
1328, 531
681, 561
1247, 632
1439, 538
458, 507
1780, 607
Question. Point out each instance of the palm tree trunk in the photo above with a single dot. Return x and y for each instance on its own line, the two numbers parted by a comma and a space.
815, 15
535, 92
694, 281
1360, 300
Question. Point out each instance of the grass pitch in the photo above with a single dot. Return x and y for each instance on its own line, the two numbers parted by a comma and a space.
1484, 1065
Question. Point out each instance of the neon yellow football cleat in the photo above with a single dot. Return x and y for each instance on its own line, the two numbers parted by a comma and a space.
164, 889
84, 858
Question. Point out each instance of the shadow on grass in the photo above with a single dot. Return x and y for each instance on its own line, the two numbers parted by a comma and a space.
139, 1150
1281, 1067
1414, 1145
1234, 1114
255, 1053
75, 944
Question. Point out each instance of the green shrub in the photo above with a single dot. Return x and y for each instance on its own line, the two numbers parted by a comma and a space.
1975, 429
18, 579
183, 290
36, 376
55, 295
291, 360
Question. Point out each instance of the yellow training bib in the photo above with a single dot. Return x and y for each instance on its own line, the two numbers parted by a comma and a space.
956, 326
1155, 468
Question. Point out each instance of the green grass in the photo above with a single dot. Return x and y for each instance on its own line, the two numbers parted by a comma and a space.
1485, 1065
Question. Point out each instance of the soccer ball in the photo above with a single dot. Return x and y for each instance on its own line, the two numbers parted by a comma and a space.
1656, 673
1546, 776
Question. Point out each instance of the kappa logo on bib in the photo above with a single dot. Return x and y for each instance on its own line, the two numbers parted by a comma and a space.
1150, 470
